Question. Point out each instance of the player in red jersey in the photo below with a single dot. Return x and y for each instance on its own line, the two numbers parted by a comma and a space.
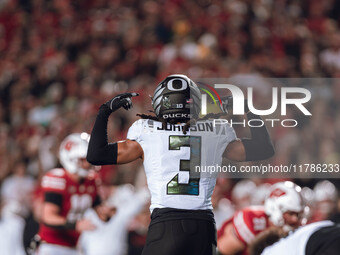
68, 192
283, 208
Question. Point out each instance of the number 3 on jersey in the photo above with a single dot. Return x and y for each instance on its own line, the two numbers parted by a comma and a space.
192, 187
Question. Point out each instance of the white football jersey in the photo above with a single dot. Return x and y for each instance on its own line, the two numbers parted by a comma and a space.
176, 165
295, 243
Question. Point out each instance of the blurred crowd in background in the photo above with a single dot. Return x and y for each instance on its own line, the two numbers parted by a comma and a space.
61, 59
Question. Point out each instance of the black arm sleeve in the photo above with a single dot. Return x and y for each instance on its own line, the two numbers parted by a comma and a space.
259, 147
67, 225
54, 198
100, 152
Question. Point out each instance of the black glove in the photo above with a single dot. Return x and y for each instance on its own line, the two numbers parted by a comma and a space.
121, 100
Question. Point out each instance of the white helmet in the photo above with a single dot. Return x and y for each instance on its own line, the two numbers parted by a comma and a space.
283, 197
72, 148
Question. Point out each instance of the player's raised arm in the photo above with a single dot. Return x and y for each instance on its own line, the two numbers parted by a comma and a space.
100, 152
258, 147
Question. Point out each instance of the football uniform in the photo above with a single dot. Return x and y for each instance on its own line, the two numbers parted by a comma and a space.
315, 238
75, 199
247, 223
174, 163
11, 229
110, 238
181, 167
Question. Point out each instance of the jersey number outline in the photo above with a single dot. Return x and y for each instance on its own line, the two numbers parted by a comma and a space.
79, 203
192, 187
259, 223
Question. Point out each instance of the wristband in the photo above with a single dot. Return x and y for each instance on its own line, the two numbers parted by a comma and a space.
70, 225
67, 226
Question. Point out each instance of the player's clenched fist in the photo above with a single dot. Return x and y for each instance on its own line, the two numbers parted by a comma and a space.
121, 100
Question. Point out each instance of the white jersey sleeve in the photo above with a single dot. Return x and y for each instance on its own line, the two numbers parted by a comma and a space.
135, 130
178, 166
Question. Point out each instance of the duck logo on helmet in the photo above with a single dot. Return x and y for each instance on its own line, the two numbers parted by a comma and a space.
166, 102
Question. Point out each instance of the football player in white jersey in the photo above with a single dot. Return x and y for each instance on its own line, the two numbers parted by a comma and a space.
171, 146
283, 208
322, 237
